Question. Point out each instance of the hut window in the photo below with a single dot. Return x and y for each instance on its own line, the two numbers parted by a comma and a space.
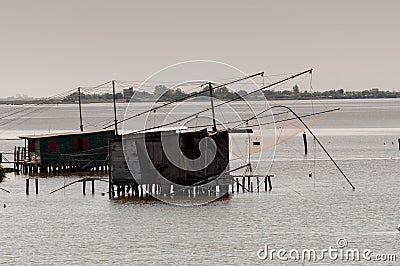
52, 145
80, 144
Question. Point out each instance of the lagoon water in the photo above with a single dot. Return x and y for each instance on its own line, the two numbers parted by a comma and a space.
301, 212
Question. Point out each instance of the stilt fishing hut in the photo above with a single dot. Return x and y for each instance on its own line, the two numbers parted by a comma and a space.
140, 161
82, 151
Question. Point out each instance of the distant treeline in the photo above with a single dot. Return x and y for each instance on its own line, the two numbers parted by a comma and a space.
295, 93
104, 97
162, 93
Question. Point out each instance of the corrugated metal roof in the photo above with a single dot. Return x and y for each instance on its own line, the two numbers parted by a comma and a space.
63, 134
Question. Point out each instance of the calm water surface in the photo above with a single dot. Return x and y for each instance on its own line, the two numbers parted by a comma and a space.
299, 213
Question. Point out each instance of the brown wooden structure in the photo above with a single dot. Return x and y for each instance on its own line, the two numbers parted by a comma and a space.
149, 172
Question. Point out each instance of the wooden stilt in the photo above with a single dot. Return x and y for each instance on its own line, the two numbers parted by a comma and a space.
265, 184
27, 186
15, 157
305, 143
37, 186
258, 184
269, 182
84, 187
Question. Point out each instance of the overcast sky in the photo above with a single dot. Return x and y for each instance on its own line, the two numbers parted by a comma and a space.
49, 46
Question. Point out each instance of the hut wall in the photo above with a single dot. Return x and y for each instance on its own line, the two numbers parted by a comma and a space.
74, 148
142, 158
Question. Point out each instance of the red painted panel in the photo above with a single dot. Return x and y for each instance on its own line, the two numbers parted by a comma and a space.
76, 143
52, 145
85, 144
31, 145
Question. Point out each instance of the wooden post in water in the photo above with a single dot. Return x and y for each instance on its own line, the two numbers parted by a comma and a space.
37, 186
243, 182
305, 143
251, 187
265, 184
237, 184
248, 183
258, 185
93, 187
84, 187
135, 190
123, 190
15, 158
18, 151
269, 182
399, 143
27, 186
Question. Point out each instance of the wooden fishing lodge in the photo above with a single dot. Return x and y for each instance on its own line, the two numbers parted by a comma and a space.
82, 151
139, 161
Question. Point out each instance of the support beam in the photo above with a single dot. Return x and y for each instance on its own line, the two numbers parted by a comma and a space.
80, 109
115, 110
212, 106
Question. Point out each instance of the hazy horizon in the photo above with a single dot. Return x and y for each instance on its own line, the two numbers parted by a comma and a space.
48, 47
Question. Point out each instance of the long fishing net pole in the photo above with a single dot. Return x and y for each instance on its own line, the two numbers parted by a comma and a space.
223, 103
317, 140
184, 98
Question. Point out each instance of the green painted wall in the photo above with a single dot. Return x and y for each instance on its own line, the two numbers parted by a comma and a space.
68, 148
